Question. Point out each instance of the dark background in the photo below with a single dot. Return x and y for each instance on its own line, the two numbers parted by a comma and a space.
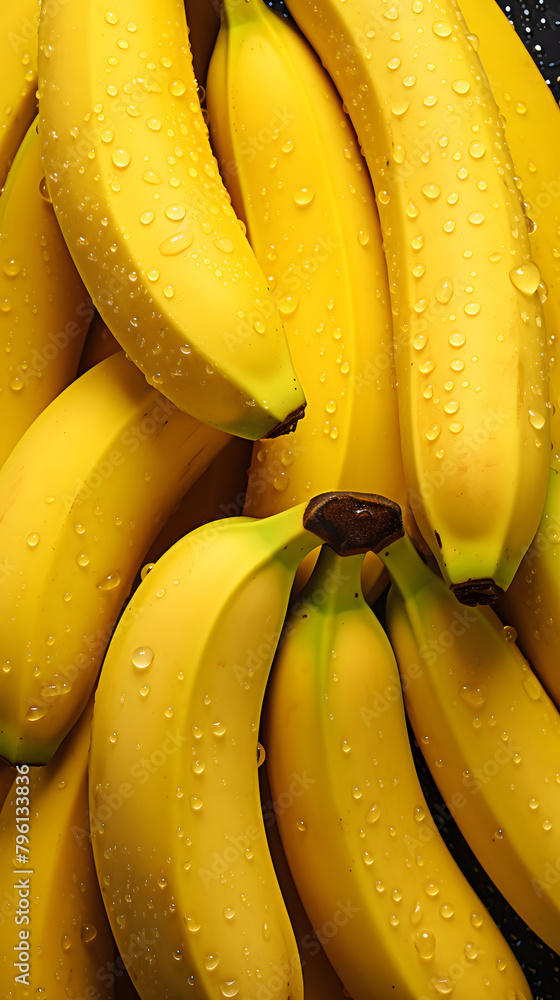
537, 23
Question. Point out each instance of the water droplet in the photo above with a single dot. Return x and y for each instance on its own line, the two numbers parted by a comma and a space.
471, 951
150, 177
175, 212
433, 432
444, 291
218, 728
452, 406
417, 242
419, 814
446, 911
431, 191
363, 237
35, 712
16, 383
425, 943
476, 218
176, 244
473, 694
345, 746
195, 802
109, 582
472, 308
367, 858
223, 244
393, 63
210, 961
177, 87
455, 427
82, 559
448, 226
142, 657
509, 633
120, 157
477, 149
304, 195
373, 814
417, 6
111, 17
526, 277
427, 367
461, 86
441, 28
442, 984
532, 687
400, 109
288, 304
33, 540
230, 988
457, 339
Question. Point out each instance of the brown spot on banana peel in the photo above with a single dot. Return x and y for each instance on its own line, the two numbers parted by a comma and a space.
354, 523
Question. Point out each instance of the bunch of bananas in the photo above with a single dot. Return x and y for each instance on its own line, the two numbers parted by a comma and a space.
279, 502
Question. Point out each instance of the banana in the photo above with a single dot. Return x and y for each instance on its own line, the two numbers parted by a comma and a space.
45, 310
147, 219
532, 130
395, 910
56, 940
531, 604
18, 76
470, 339
182, 855
320, 981
82, 496
297, 179
487, 729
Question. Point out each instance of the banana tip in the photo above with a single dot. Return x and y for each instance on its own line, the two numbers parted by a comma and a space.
474, 592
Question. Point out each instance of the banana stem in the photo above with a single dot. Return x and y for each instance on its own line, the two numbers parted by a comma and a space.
336, 576
408, 572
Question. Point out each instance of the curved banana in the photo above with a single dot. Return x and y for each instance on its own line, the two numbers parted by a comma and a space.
532, 130
531, 604
488, 731
45, 310
470, 340
138, 196
401, 914
184, 859
18, 76
297, 179
82, 496
320, 981
55, 935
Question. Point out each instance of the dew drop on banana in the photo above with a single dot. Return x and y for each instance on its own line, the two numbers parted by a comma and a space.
532, 687
142, 657
210, 961
425, 943
229, 988
373, 814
